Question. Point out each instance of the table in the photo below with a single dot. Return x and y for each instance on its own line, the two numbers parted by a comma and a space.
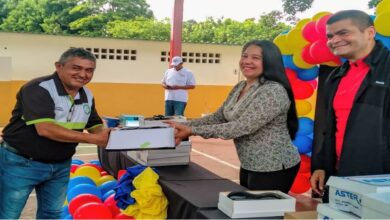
192, 191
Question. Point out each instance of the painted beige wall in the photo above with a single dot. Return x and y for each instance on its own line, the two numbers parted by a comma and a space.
119, 86
34, 55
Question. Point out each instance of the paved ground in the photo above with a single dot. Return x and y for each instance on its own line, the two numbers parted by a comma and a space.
216, 155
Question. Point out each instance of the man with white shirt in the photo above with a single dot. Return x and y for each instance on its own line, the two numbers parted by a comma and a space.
177, 80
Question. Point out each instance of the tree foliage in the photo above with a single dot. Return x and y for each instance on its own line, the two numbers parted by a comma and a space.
128, 19
291, 7
373, 3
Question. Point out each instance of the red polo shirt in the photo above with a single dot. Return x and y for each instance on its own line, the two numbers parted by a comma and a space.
345, 95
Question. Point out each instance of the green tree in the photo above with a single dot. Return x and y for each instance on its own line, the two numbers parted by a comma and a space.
140, 28
373, 3
26, 16
291, 7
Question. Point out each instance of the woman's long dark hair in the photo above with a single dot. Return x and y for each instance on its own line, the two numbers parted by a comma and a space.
273, 70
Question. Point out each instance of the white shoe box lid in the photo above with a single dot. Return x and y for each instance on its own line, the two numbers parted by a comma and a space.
376, 205
326, 212
346, 193
256, 208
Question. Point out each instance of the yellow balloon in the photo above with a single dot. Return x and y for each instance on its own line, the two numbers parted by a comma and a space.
104, 179
65, 202
302, 23
303, 107
331, 63
381, 23
312, 100
295, 39
88, 171
281, 42
383, 6
320, 15
299, 62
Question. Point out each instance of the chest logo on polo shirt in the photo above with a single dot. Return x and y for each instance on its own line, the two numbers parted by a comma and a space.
58, 108
87, 109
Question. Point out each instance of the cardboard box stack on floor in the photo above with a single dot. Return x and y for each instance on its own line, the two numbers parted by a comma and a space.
366, 197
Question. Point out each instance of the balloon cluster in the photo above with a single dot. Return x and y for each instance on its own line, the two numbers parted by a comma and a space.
304, 49
381, 22
91, 193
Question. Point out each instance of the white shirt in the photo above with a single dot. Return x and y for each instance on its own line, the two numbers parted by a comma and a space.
183, 77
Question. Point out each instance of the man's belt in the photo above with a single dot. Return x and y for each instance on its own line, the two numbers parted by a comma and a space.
14, 150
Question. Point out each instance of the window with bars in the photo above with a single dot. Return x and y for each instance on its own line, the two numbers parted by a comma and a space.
113, 54
194, 57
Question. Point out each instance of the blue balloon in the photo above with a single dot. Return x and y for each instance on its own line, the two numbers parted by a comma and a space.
372, 17
288, 62
80, 180
305, 126
303, 143
107, 194
308, 74
68, 217
65, 212
385, 39
107, 186
83, 189
96, 162
77, 161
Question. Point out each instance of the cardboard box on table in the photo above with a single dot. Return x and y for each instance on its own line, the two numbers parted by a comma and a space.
376, 206
256, 208
300, 215
326, 212
166, 157
347, 193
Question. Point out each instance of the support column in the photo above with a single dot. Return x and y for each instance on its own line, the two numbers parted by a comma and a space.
176, 29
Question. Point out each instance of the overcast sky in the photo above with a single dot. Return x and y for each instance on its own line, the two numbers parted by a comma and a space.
242, 9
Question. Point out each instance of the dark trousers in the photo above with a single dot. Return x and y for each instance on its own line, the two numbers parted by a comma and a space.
277, 180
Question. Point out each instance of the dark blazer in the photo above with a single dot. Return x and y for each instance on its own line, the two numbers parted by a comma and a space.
366, 146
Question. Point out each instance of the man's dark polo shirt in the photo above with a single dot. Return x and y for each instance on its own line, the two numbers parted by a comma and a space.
45, 100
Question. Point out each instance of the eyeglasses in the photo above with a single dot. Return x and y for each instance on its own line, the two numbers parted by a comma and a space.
70, 113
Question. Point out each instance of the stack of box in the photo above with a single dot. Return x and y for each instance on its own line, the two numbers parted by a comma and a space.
165, 157
256, 207
357, 197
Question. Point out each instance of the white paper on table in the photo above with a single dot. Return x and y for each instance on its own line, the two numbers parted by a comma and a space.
141, 139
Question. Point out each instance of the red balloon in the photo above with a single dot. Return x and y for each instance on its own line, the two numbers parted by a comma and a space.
100, 169
92, 210
301, 89
313, 83
121, 173
306, 56
291, 75
320, 52
305, 164
309, 32
73, 167
320, 26
103, 173
81, 200
301, 183
123, 216
111, 204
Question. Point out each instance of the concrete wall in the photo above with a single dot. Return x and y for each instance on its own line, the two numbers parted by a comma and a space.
121, 85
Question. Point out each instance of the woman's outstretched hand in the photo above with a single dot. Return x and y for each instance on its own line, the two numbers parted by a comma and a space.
181, 131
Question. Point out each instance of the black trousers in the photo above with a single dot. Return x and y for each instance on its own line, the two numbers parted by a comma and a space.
277, 180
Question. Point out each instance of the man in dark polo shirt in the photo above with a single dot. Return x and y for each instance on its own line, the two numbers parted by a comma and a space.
357, 102
47, 123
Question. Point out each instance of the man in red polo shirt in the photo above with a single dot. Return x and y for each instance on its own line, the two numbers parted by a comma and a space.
357, 102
